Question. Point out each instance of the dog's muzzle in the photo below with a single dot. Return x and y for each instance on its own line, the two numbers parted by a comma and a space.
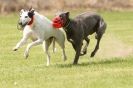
23, 25
57, 22
20, 23
20, 26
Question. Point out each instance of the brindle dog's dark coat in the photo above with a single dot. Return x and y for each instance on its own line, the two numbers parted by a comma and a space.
80, 27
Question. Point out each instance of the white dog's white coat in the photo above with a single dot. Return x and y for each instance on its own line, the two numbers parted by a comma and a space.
41, 29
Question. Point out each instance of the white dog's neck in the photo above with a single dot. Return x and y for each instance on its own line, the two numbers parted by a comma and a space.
38, 18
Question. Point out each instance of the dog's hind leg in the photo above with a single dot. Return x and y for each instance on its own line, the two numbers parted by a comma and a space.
62, 45
96, 47
46, 45
100, 31
64, 54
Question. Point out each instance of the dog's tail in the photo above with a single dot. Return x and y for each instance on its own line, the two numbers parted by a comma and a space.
101, 27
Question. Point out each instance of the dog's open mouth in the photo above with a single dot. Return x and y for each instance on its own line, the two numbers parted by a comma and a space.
21, 26
57, 22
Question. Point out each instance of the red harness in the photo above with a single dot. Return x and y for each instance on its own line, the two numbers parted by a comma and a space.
32, 19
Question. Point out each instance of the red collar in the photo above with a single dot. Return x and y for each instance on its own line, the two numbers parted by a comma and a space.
32, 19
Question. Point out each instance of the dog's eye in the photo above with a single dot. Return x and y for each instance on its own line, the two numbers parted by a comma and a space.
60, 16
26, 16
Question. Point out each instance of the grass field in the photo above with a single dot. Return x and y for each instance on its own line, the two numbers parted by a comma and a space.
112, 67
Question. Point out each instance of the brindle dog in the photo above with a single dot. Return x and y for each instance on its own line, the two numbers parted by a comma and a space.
79, 28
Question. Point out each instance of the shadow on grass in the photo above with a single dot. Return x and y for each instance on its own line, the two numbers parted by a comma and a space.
96, 63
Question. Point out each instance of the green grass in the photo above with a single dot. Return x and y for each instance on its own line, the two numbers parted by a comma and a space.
112, 67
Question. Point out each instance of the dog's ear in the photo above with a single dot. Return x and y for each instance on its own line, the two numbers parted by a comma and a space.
30, 8
21, 11
31, 13
67, 13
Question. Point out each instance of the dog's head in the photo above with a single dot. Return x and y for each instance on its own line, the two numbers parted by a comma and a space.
26, 16
61, 19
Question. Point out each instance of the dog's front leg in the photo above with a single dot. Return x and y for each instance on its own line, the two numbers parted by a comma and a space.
22, 42
77, 55
37, 42
78, 50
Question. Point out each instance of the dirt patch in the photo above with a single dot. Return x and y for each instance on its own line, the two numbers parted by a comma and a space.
111, 46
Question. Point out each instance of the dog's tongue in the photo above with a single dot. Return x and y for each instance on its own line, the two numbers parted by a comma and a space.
56, 22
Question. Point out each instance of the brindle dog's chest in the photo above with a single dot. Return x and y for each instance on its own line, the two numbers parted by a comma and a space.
70, 35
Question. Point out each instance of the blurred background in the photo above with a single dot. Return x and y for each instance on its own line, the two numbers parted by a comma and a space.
9, 6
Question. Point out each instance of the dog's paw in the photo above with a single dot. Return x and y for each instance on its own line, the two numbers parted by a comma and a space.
81, 53
65, 58
48, 64
75, 63
15, 49
84, 51
26, 55
92, 54
54, 50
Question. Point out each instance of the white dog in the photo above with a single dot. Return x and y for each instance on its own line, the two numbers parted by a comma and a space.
39, 28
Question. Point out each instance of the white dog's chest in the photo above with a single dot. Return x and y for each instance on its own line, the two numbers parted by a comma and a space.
41, 33
33, 37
